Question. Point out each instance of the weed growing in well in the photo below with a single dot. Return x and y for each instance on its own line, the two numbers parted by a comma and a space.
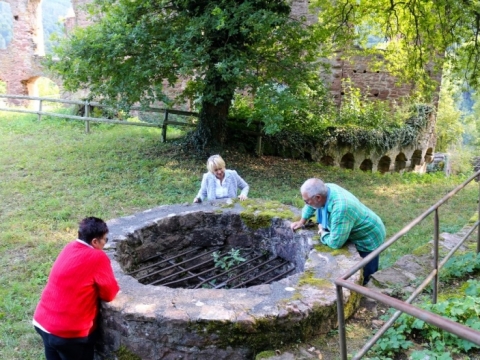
228, 260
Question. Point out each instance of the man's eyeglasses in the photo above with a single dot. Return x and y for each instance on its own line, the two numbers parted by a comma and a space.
308, 200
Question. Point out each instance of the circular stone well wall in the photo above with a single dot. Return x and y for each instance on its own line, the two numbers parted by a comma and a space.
161, 322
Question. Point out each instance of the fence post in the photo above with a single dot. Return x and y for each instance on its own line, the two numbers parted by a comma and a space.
435, 255
39, 110
164, 126
86, 113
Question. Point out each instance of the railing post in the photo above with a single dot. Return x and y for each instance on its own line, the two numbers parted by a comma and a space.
435, 256
39, 110
341, 324
164, 126
86, 113
478, 228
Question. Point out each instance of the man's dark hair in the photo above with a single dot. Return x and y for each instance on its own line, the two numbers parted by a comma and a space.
91, 228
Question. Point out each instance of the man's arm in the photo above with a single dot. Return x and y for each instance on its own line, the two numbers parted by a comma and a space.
105, 280
307, 213
340, 227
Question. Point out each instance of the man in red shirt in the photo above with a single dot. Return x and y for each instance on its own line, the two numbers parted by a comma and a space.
81, 276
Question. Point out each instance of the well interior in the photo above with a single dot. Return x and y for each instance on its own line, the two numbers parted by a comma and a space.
210, 251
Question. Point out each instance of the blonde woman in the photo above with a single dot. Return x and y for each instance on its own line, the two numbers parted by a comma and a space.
220, 183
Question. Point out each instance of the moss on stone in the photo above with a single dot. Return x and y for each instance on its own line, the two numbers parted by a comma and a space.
425, 249
258, 214
124, 354
296, 296
471, 246
325, 249
265, 355
308, 278
473, 219
228, 205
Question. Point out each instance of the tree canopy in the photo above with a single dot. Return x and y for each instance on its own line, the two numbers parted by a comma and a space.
419, 36
137, 48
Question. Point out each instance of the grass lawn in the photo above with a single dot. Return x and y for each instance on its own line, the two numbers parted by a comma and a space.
52, 175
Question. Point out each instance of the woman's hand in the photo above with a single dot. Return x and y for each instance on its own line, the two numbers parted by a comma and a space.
320, 229
197, 200
242, 197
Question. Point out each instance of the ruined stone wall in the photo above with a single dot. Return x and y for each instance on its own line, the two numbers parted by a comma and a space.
20, 61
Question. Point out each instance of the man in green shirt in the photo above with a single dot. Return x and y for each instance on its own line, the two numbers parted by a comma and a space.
341, 217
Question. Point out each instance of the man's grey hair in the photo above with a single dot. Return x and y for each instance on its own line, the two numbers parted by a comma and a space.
313, 187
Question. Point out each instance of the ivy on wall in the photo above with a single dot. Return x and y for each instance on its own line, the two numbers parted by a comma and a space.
357, 137
382, 139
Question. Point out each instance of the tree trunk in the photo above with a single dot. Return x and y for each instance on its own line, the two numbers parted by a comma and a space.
211, 131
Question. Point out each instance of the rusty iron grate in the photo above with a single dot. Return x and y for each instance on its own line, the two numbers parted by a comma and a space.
213, 268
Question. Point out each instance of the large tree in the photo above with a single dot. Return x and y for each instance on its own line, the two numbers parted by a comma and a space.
419, 35
221, 46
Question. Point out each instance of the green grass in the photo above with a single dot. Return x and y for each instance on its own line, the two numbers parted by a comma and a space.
52, 175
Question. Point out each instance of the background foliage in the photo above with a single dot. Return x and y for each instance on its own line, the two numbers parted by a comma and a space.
216, 47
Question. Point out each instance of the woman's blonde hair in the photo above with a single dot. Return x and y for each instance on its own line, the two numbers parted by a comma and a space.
215, 162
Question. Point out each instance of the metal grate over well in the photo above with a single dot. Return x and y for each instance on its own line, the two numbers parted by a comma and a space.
214, 268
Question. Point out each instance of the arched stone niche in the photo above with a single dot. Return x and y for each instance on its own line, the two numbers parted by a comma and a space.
429, 155
366, 165
160, 322
348, 161
327, 160
416, 158
384, 164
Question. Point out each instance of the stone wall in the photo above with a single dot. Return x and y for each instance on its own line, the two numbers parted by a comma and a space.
413, 157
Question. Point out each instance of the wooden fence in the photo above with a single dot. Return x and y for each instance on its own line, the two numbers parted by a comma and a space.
87, 118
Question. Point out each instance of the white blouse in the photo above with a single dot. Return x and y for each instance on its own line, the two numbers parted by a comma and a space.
221, 191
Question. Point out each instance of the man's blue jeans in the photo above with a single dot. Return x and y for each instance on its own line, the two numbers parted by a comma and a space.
371, 267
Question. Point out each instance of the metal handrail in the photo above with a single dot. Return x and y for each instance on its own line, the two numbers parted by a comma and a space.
405, 306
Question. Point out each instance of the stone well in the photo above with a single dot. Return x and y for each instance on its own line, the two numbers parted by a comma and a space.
160, 322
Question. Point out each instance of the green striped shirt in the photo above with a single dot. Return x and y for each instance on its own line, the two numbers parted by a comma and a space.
349, 219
